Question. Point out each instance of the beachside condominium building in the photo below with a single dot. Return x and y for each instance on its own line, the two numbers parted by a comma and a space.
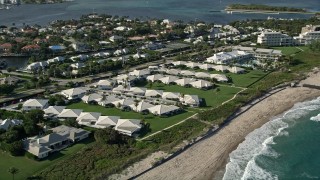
261, 54
229, 57
308, 34
274, 39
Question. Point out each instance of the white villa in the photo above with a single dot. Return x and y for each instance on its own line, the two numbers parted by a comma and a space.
105, 84
73, 93
201, 84
128, 126
60, 138
161, 110
88, 118
35, 104
69, 113
53, 111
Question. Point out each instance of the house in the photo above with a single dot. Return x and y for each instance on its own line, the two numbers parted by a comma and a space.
201, 84
53, 111
141, 106
106, 121
73, 93
128, 126
105, 84
139, 55
60, 138
92, 98
115, 38
173, 71
184, 81
192, 65
155, 77
121, 52
79, 47
69, 113
35, 104
187, 73
219, 77
168, 79
108, 100
236, 70
202, 75
179, 63
88, 118
6, 124
206, 67
5, 48
170, 95
140, 73
31, 48
11, 80
125, 78
123, 103
153, 93
57, 48
120, 89
221, 68
137, 91
191, 100
161, 110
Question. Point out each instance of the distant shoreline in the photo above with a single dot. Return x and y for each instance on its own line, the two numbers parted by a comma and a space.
233, 10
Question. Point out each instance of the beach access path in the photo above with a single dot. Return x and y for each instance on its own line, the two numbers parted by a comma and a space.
206, 158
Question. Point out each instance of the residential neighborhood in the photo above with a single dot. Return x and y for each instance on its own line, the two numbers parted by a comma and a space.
94, 95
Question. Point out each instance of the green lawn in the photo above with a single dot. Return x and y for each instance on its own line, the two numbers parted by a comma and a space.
290, 50
244, 80
156, 123
212, 97
28, 167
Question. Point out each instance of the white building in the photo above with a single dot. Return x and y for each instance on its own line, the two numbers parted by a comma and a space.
228, 57
308, 34
128, 126
274, 39
35, 104
6, 124
73, 93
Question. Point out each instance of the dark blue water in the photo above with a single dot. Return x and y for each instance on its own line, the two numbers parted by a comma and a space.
287, 147
186, 10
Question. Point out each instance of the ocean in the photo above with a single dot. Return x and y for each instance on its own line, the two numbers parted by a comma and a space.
186, 10
287, 147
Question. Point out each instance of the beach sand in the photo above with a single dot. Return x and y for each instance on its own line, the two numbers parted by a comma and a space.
207, 159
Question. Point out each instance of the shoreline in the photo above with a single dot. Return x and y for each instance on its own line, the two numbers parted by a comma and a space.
265, 11
210, 156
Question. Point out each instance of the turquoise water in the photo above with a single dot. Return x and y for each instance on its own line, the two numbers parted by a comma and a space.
186, 10
288, 147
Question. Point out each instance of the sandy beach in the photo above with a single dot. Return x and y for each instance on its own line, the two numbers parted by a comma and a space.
207, 159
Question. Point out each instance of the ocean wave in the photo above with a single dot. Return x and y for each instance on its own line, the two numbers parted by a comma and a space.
243, 164
315, 118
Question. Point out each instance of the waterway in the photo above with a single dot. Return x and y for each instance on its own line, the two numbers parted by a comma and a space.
187, 10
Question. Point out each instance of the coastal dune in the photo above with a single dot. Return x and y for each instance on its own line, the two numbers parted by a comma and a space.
207, 159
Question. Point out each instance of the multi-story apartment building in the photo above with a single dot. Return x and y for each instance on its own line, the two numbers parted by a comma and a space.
307, 35
274, 39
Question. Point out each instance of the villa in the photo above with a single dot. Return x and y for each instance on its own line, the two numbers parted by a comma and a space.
128, 126
35, 104
60, 138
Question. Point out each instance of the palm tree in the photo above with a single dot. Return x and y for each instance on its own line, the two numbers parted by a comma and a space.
13, 171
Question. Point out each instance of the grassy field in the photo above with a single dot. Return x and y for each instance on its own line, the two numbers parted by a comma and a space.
28, 167
156, 123
212, 97
290, 50
244, 80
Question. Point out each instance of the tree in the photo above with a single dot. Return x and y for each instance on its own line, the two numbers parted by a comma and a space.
107, 136
13, 171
